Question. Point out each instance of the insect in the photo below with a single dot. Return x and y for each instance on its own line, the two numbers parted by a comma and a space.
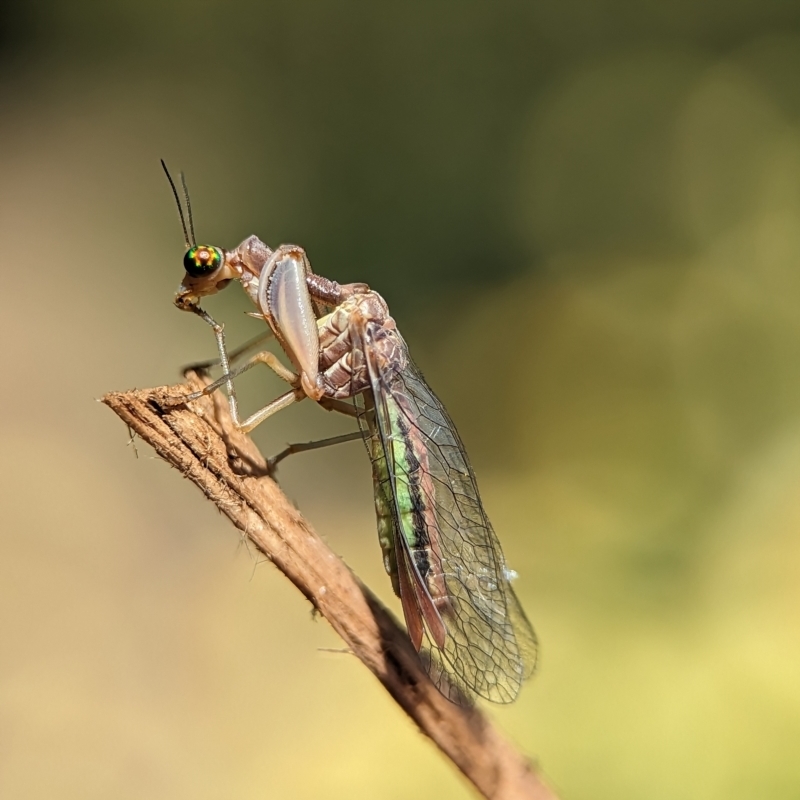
439, 548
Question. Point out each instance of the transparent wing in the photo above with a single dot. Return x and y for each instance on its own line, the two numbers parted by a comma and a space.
490, 647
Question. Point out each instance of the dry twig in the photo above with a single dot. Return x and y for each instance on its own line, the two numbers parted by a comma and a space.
200, 441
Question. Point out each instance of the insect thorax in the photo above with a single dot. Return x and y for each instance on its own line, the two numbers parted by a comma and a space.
362, 320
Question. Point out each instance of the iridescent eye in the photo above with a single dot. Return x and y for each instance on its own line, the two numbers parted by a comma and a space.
202, 260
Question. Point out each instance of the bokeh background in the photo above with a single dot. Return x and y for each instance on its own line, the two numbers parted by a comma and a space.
586, 218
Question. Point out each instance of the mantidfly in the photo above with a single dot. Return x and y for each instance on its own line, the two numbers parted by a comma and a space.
439, 548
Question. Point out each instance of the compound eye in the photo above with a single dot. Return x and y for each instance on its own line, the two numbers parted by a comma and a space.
202, 260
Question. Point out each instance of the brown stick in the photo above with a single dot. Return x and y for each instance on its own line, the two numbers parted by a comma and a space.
199, 440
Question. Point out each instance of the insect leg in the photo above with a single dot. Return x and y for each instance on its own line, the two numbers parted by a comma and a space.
234, 355
279, 403
264, 357
272, 361
253, 420
219, 333
329, 404
303, 447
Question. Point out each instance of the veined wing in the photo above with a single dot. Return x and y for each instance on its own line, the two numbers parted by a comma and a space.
445, 550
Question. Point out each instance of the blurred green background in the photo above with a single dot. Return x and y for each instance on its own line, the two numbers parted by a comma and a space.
586, 219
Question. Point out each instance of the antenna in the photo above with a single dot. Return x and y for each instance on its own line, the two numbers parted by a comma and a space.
180, 207
188, 208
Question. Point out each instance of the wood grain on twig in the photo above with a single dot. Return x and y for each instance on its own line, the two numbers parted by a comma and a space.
199, 440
